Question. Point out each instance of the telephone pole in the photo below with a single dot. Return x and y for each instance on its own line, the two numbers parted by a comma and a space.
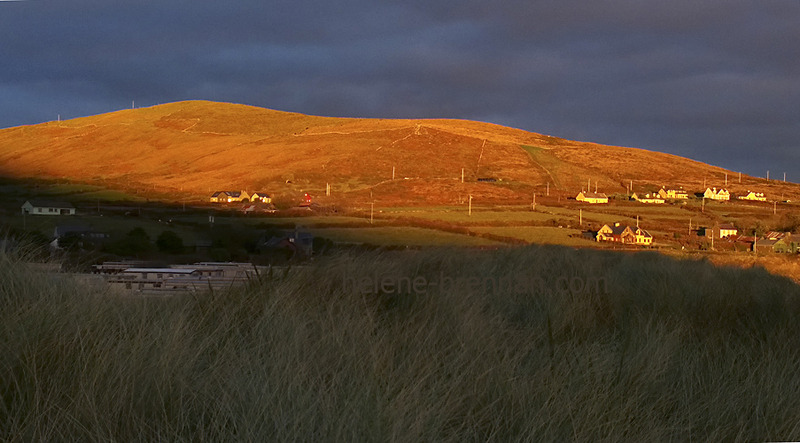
469, 211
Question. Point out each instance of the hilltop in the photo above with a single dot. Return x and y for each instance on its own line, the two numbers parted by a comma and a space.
192, 148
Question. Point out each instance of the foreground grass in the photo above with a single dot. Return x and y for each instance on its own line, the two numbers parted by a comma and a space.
588, 345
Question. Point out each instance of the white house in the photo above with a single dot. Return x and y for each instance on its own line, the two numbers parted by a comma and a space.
43, 207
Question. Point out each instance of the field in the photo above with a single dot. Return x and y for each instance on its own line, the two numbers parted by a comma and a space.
534, 343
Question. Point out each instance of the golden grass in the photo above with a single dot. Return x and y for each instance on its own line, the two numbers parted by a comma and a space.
197, 147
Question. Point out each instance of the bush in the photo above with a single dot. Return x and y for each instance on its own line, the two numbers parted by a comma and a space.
169, 242
135, 244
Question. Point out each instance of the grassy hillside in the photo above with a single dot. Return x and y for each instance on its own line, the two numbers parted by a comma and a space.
543, 343
193, 148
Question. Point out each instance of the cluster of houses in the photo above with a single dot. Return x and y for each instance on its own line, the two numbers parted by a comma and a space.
240, 197
664, 194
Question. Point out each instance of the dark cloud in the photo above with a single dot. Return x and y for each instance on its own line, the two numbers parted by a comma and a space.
713, 80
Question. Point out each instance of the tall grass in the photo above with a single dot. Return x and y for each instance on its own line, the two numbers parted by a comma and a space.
657, 350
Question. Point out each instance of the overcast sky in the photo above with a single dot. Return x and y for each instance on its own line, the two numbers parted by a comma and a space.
713, 80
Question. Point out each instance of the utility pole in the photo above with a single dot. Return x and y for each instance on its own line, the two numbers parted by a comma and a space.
784, 177
703, 207
740, 178
774, 208
371, 210
533, 203
580, 217
462, 178
768, 175
548, 189
469, 211
462, 175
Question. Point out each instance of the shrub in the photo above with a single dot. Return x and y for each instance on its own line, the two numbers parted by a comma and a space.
169, 242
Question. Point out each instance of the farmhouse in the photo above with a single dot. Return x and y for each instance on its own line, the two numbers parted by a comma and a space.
75, 234
754, 196
713, 194
592, 197
230, 197
624, 234
672, 194
43, 207
647, 198
722, 230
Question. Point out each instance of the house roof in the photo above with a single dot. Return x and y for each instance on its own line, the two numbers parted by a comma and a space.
765, 242
66, 229
727, 226
50, 204
160, 270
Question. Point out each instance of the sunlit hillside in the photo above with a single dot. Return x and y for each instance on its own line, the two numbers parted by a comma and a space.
193, 148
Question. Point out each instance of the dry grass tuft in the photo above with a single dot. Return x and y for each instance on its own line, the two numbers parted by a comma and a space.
545, 343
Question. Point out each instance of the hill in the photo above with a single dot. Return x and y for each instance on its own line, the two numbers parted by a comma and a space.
196, 147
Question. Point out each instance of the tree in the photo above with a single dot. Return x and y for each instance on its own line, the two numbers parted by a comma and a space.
135, 242
169, 242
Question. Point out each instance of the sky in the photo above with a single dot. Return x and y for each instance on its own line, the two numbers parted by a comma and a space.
716, 81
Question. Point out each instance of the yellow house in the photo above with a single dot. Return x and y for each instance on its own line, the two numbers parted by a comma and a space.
592, 197
261, 196
672, 194
713, 194
230, 196
756, 196
727, 230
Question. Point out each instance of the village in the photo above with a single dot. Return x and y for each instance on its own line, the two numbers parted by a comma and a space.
592, 225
